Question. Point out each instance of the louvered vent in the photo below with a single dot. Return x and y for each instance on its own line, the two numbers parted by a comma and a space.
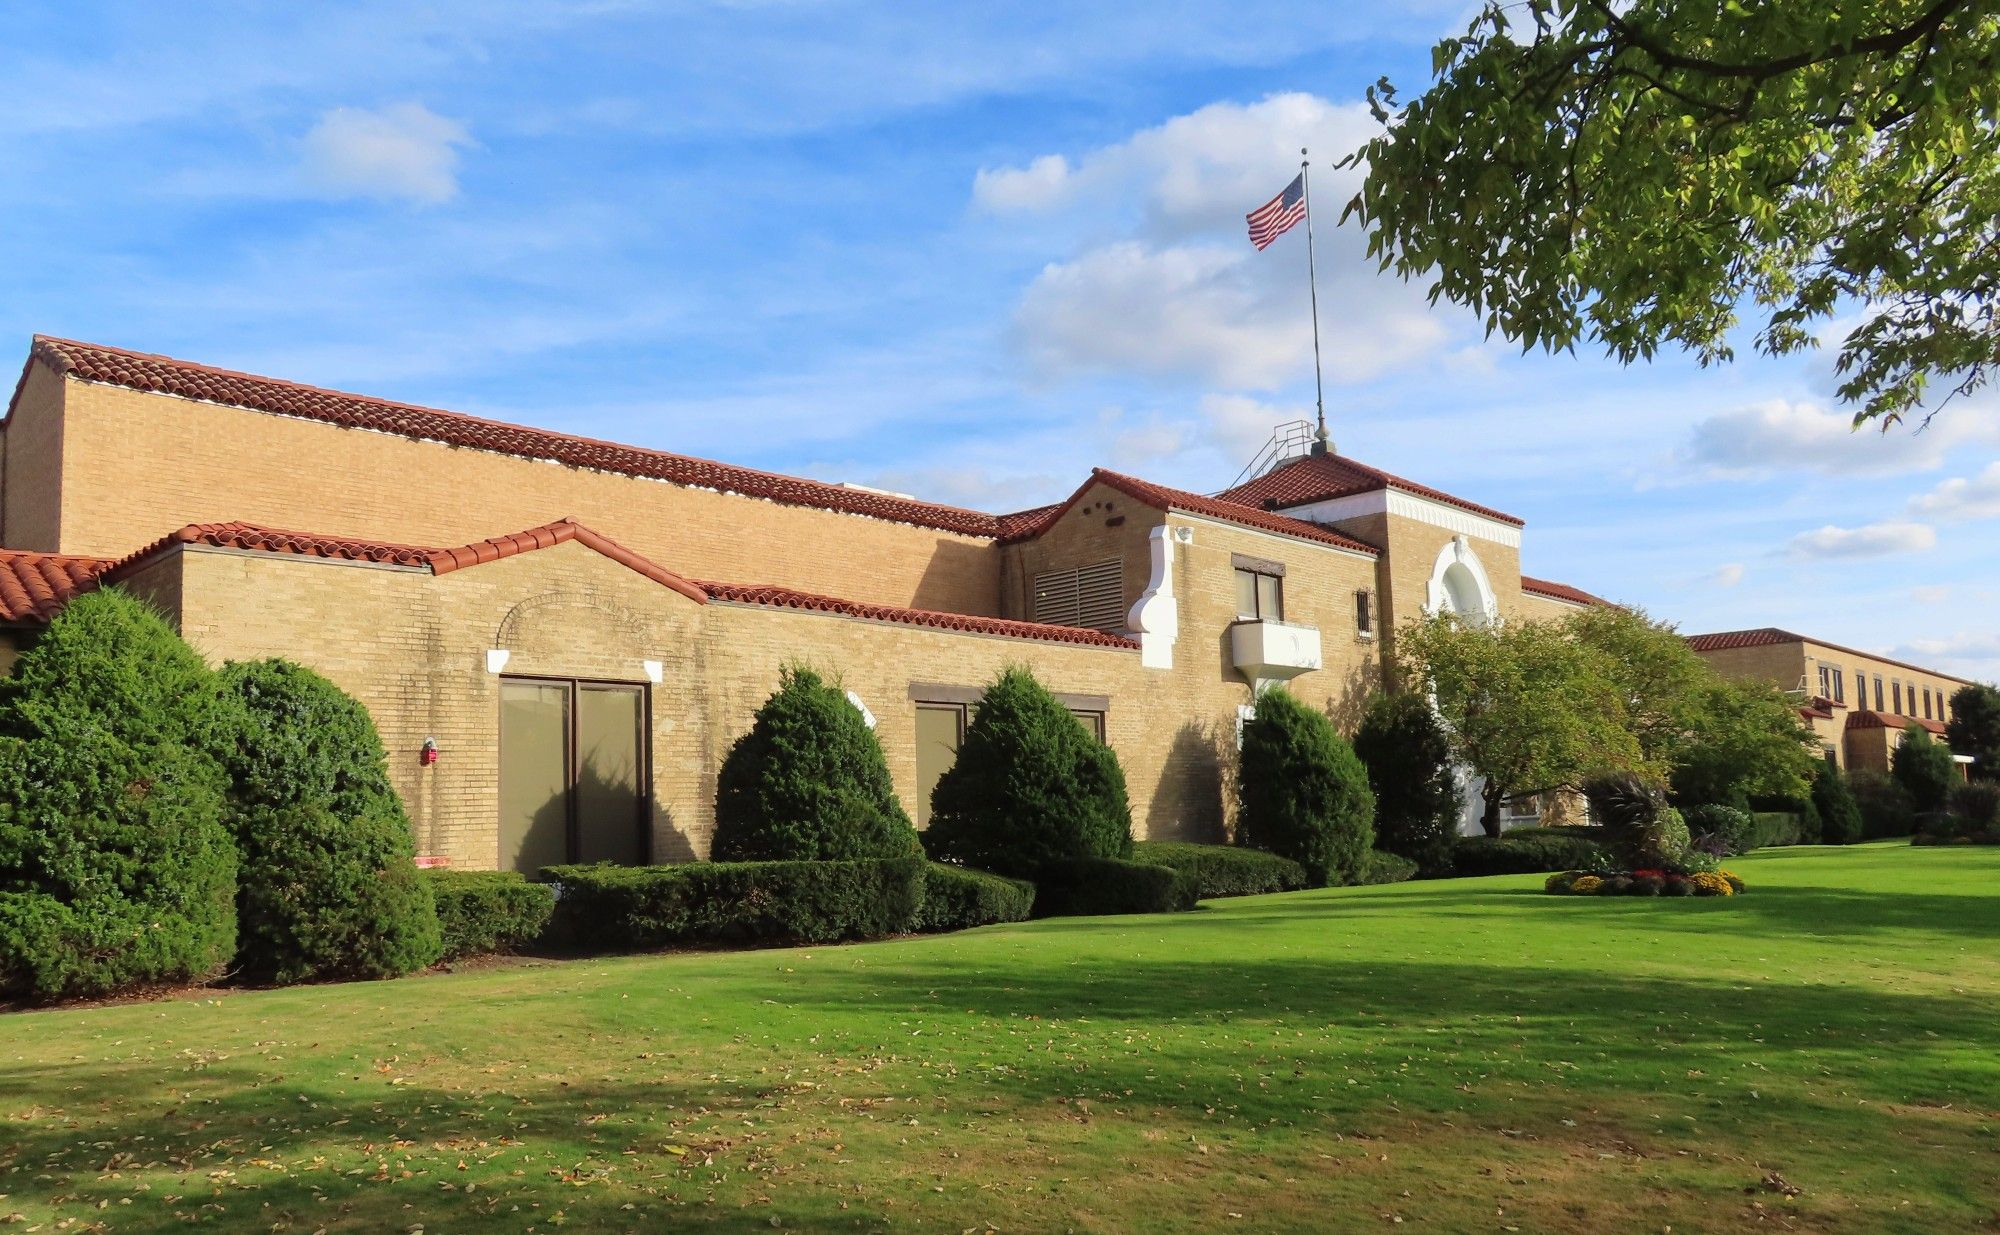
1090, 596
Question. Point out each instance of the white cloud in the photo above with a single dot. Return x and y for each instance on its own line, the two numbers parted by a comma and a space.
1891, 536
1725, 576
404, 150
1179, 293
1787, 435
1960, 499
1969, 652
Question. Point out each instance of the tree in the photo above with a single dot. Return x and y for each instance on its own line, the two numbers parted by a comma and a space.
1925, 770
1526, 707
1662, 684
1031, 787
1629, 174
1746, 741
808, 783
115, 867
1300, 791
1408, 758
329, 887
1839, 813
1974, 728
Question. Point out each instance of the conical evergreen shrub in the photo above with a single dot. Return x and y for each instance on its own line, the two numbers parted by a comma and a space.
808, 783
1403, 745
1301, 792
1031, 787
116, 869
329, 885
1839, 812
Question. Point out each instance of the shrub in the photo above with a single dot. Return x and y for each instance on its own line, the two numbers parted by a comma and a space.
1380, 867
1525, 851
1722, 829
956, 898
1408, 757
1031, 786
329, 886
1224, 870
1839, 813
1885, 806
1643, 831
1094, 886
1774, 828
1924, 769
808, 782
1974, 728
115, 868
1978, 804
633, 907
484, 912
1301, 793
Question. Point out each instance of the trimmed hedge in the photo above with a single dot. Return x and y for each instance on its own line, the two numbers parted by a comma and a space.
1223, 870
1723, 830
329, 887
1526, 851
808, 783
629, 908
116, 869
485, 912
1775, 828
1301, 792
956, 898
1031, 786
1087, 887
1382, 867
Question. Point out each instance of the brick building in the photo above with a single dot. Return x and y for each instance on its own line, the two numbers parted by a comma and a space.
580, 630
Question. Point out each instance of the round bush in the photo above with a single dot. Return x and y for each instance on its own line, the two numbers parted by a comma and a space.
1417, 803
808, 783
1301, 792
1925, 770
1839, 813
1722, 830
330, 889
116, 869
1031, 787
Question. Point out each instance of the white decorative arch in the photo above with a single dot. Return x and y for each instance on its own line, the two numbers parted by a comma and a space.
1459, 585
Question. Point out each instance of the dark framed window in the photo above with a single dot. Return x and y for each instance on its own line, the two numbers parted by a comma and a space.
1839, 687
574, 779
1879, 705
1896, 697
1260, 597
1364, 613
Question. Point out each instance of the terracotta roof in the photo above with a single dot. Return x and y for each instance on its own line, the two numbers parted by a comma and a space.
1317, 478
786, 598
1889, 720
1164, 498
164, 375
1024, 524
1765, 636
248, 536
1560, 591
33, 586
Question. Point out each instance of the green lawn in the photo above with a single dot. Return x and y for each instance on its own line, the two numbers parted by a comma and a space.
1462, 1056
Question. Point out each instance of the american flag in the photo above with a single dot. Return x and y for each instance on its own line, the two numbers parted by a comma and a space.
1279, 215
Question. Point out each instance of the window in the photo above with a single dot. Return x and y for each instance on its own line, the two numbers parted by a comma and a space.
1093, 721
1839, 687
940, 730
1878, 696
1091, 596
1259, 597
1364, 613
1896, 697
1927, 703
1825, 682
573, 782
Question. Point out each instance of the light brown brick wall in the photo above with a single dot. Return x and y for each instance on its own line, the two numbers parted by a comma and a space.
31, 491
1411, 549
139, 465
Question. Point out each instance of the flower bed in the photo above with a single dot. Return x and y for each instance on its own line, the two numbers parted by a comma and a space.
1644, 883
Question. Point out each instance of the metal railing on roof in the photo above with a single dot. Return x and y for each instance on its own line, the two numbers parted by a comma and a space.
1290, 440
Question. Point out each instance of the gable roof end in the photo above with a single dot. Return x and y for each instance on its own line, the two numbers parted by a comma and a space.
1318, 478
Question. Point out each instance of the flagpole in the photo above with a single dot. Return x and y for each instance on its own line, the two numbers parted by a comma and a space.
1320, 444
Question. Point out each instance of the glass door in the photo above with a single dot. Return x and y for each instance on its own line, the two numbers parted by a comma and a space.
572, 773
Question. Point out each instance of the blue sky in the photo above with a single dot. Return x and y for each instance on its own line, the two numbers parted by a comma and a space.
962, 251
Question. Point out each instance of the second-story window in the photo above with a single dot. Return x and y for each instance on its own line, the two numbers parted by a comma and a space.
1364, 613
1927, 703
1260, 588
1839, 687
1896, 697
1880, 703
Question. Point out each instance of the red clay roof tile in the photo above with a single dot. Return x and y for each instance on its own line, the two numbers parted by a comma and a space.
164, 375
1318, 478
1560, 591
1164, 498
1889, 720
787, 598
1765, 636
34, 586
